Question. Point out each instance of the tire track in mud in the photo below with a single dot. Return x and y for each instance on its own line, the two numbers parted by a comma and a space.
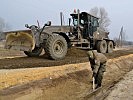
74, 56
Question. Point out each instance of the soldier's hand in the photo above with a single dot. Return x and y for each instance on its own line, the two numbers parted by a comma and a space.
94, 74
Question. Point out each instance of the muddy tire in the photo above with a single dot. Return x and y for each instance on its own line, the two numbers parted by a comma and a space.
34, 53
102, 46
110, 46
56, 47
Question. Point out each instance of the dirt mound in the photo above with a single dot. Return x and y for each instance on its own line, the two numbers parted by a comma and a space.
9, 53
73, 56
21, 76
75, 52
119, 53
71, 86
63, 88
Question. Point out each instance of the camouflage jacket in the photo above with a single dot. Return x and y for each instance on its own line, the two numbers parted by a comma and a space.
98, 60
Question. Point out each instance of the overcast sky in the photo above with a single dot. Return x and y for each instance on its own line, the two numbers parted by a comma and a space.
20, 12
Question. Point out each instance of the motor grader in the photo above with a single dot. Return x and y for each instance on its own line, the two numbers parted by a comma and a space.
83, 33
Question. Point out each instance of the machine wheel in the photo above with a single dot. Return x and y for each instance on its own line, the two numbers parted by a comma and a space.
56, 47
34, 53
102, 46
110, 46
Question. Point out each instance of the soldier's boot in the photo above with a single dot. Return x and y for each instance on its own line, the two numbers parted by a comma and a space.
99, 78
97, 86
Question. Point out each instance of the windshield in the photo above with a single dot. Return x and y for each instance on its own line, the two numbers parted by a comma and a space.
75, 22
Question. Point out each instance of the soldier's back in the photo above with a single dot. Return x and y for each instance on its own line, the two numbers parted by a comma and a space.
99, 56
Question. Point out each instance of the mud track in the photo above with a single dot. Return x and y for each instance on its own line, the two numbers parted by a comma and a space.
73, 56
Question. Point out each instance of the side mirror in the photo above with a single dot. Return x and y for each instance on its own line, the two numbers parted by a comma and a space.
26, 25
48, 23
69, 21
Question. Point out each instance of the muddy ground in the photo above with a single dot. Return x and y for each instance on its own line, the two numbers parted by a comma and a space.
73, 56
72, 86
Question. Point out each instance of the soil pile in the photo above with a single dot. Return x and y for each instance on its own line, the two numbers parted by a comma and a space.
75, 52
73, 56
70, 86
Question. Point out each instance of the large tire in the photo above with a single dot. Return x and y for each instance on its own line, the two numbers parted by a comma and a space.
56, 47
102, 46
110, 46
34, 53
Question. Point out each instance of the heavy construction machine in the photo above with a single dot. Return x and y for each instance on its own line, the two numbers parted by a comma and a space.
83, 33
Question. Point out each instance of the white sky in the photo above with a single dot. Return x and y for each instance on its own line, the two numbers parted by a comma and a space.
20, 12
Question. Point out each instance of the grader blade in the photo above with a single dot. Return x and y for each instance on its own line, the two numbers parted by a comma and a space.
22, 41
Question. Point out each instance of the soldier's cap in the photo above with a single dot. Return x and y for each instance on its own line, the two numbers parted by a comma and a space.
90, 54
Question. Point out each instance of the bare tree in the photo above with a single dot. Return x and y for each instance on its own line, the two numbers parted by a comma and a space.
104, 20
116, 40
122, 37
3, 27
94, 11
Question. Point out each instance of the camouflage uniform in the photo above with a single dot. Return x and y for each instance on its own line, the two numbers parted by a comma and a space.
98, 64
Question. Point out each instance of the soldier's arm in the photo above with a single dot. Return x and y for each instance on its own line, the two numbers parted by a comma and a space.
96, 66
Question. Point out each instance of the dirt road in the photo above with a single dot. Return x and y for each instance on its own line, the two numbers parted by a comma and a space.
64, 79
124, 89
73, 56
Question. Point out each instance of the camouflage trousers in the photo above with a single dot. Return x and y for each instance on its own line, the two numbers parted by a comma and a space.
99, 75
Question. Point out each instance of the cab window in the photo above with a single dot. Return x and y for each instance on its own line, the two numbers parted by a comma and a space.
96, 22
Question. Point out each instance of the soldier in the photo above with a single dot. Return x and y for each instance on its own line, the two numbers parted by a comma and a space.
98, 64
